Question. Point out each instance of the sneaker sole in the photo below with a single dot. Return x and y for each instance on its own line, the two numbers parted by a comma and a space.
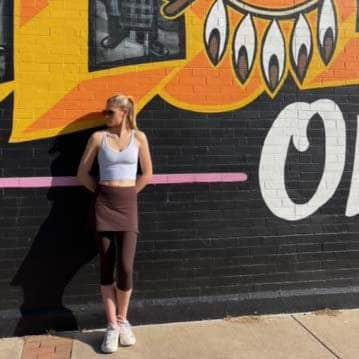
126, 344
108, 351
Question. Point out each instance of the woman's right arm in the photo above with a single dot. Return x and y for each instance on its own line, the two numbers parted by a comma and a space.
86, 162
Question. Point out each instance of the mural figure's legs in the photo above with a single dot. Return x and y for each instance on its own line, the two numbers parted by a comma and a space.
116, 33
155, 47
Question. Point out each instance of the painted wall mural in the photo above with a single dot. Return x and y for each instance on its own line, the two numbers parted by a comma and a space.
252, 115
199, 56
203, 49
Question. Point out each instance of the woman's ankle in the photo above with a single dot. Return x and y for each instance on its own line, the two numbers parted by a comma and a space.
120, 319
112, 325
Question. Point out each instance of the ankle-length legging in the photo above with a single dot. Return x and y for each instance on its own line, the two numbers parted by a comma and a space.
117, 247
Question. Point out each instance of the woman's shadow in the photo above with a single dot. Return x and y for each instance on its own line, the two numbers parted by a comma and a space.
64, 243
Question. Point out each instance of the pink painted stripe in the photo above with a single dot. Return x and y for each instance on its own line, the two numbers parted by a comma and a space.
35, 182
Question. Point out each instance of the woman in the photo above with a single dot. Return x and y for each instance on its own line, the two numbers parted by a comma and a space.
115, 209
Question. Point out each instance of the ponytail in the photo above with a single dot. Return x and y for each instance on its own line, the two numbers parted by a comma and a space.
131, 116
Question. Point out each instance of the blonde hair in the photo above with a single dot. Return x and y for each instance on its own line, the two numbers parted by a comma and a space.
128, 103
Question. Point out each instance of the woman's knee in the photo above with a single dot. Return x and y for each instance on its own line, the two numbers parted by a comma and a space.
107, 258
107, 269
124, 280
126, 254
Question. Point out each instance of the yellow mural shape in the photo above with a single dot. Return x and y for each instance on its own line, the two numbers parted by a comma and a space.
55, 93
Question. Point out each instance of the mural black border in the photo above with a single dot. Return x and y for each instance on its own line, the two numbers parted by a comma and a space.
9, 57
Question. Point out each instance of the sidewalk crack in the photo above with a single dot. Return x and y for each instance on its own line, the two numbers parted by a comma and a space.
316, 337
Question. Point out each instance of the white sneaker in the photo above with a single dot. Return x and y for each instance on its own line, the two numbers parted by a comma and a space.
127, 337
110, 340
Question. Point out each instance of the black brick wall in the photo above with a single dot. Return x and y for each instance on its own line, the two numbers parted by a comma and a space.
205, 250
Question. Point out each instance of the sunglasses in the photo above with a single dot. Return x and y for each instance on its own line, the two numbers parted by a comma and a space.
110, 113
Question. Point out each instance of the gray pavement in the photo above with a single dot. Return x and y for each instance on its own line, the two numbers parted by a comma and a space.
312, 335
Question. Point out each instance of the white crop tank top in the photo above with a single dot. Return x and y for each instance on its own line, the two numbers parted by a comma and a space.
115, 164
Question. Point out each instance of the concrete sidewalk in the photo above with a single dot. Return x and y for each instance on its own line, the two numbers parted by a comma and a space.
312, 335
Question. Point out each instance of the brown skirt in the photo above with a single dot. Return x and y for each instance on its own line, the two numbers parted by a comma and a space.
115, 208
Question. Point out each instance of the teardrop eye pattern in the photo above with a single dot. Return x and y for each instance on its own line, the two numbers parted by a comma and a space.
216, 31
327, 30
301, 47
273, 51
273, 55
244, 48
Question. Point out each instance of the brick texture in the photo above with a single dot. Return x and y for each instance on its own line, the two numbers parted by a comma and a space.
198, 240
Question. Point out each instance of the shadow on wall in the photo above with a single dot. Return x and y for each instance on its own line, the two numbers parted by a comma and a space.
64, 243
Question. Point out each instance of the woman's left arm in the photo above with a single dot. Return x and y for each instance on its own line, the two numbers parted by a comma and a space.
145, 162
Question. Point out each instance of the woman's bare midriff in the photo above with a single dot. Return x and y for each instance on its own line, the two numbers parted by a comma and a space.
118, 183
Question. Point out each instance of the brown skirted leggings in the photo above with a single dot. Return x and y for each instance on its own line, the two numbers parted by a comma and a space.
120, 246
